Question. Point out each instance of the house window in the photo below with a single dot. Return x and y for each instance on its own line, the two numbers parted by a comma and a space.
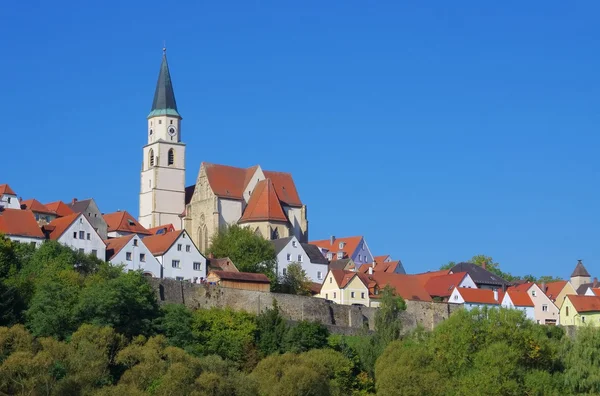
319, 275
179, 278
159, 122
88, 236
326, 296
179, 247
340, 255
331, 279
351, 294
196, 266
334, 295
362, 295
294, 244
8, 199
75, 235
329, 256
284, 271
143, 257
544, 308
128, 256
175, 264
299, 258
81, 251
81, 234
95, 252
566, 311
135, 243
289, 257
171, 157
187, 248
583, 319
341, 245
456, 296
81, 220
533, 293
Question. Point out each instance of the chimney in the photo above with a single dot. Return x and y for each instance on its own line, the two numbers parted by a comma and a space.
332, 239
496, 294
544, 287
484, 265
73, 201
371, 270
374, 263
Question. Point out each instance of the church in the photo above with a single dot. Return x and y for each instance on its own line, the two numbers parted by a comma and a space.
265, 201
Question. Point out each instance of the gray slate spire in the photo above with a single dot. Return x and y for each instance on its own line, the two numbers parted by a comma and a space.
164, 97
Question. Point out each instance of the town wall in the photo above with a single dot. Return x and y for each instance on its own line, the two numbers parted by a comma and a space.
344, 319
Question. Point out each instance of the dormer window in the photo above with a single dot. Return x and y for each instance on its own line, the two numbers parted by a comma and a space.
340, 255
342, 244
329, 256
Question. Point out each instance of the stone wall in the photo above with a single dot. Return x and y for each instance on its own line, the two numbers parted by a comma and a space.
345, 319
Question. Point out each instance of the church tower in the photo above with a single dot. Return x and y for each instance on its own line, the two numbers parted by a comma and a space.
162, 194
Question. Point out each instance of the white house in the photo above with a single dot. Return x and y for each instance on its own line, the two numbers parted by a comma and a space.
20, 226
474, 298
131, 252
8, 198
290, 250
519, 300
78, 233
178, 255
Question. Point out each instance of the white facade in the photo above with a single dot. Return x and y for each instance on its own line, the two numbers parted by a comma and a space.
508, 303
136, 256
9, 201
81, 236
294, 252
25, 239
183, 261
468, 282
457, 298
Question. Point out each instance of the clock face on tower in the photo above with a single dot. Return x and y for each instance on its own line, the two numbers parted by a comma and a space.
172, 131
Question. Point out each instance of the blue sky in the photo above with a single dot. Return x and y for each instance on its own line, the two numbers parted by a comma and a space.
437, 131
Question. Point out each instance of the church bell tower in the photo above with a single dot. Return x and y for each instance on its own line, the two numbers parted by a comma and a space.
162, 193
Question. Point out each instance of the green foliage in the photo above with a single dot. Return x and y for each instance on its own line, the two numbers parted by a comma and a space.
305, 336
249, 252
272, 330
175, 322
295, 281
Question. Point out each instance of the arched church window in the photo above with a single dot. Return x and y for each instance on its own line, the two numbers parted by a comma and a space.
151, 157
274, 233
171, 157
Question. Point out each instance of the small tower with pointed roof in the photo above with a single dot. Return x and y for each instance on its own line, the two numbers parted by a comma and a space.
162, 193
580, 275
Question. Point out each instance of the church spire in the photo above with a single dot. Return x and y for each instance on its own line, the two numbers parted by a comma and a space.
164, 97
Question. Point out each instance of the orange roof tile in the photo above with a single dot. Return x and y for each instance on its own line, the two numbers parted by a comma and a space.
5, 189
342, 277
425, 276
230, 182
381, 259
60, 208
350, 245
58, 226
478, 296
596, 291
553, 289
159, 244
407, 286
35, 206
585, 303
163, 229
522, 287
519, 298
114, 245
443, 285
124, 222
263, 204
387, 266
19, 222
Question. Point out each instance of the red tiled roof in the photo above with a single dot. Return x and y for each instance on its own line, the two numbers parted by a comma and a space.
442, 286
387, 266
124, 222
60, 208
425, 276
478, 296
263, 204
241, 276
596, 291
58, 226
553, 289
522, 287
230, 182
350, 245
407, 286
166, 228
19, 222
114, 245
585, 303
35, 206
519, 298
342, 277
5, 189
159, 244
381, 259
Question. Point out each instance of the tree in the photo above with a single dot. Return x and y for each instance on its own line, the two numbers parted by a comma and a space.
272, 329
175, 322
248, 251
295, 280
582, 362
305, 336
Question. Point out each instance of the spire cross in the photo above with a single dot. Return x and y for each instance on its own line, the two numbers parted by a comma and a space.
164, 46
